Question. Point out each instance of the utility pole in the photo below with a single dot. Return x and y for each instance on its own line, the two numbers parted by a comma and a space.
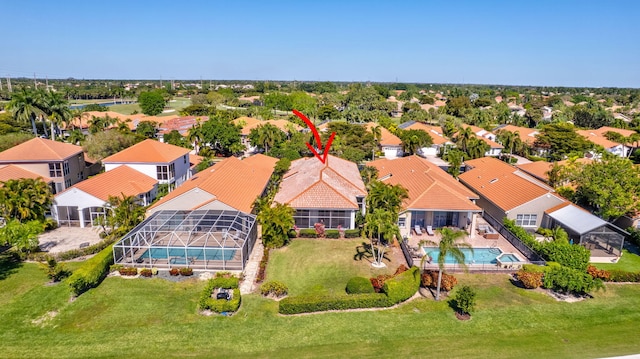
0, 84
47, 82
35, 83
160, 81
200, 82
9, 83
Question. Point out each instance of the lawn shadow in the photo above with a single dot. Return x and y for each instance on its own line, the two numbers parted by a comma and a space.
631, 247
363, 251
9, 263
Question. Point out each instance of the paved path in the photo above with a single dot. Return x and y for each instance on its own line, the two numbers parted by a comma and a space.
63, 239
251, 269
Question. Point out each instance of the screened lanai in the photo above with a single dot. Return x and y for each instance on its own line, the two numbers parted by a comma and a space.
201, 240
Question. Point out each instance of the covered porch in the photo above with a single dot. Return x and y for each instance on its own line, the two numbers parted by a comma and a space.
419, 222
72, 216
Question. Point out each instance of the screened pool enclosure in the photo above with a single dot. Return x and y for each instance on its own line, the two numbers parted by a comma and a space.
201, 240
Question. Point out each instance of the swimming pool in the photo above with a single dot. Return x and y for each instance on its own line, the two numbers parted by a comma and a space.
508, 257
479, 255
177, 254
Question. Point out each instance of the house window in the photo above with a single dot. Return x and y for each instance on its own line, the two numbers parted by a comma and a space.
55, 169
67, 183
402, 222
184, 159
526, 220
166, 172
65, 167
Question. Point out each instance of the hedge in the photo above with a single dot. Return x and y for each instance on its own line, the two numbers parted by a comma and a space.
308, 233
569, 255
227, 283
565, 279
91, 273
220, 305
352, 233
358, 285
616, 275
403, 286
320, 303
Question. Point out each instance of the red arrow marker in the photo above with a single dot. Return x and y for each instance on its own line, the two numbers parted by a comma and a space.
323, 157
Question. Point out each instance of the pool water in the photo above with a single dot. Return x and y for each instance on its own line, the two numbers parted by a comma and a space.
193, 253
508, 257
479, 255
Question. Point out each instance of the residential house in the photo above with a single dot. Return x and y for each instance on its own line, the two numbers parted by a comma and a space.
598, 137
505, 191
527, 136
435, 199
13, 172
181, 124
389, 143
85, 202
330, 192
495, 149
231, 184
540, 169
167, 163
61, 162
439, 141
249, 123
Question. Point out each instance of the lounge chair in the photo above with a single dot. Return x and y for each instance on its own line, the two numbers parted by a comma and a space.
430, 230
417, 229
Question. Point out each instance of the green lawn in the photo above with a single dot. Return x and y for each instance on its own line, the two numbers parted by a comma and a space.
630, 261
141, 318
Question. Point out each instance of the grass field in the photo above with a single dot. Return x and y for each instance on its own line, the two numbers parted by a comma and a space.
630, 261
141, 318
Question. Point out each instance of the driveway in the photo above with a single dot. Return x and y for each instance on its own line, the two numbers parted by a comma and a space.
63, 239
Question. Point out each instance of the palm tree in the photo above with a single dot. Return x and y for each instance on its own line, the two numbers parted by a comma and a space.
380, 222
449, 245
387, 196
507, 138
75, 137
58, 111
464, 136
25, 199
276, 221
195, 135
477, 148
25, 107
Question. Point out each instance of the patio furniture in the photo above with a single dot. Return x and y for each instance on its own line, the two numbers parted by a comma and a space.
430, 230
83, 245
417, 229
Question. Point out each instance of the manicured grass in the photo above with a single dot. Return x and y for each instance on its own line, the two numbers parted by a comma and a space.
125, 109
311, 266
156, 318
630, 261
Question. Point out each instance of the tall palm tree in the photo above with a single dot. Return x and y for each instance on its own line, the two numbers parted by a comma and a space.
57, 108
195, 135
25, 107
387, 196
75, 137
450, 245
464, 136
380, 222
477, 148
43, 104
507, 138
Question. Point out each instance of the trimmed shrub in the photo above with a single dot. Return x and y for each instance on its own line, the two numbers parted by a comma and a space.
569, 280
332, 233
378, 282
309, 304
623, 276
533, 268
128, 271
308, 233
429, 279
403, 286
465, 299
358, 285
598, 273
292, 233
174, 271
76, 253
401, 269
262, 270
115, 267
526, 237
275, 288
352, 233
186, 271
91, 273
146, 272
530, 280
225, 282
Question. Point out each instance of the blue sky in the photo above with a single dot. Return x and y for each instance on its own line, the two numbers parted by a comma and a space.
553, 43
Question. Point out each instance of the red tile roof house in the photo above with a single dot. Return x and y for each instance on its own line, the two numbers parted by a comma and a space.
249, 123
505, 191
331, 192
166, 163
435, 198
85, 202
495, 149
435, 132
389, 143
597, 137
13, 172
231, 184
63, 163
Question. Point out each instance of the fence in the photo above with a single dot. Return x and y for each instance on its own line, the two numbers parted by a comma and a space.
531, 255
407, 253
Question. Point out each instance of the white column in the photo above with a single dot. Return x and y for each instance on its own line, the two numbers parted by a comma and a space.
353, 220
81, 216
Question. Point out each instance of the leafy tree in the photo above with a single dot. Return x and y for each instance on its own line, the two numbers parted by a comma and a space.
123, 214
13, 139
457, 106
455, 157
610, 186
106, 143
25, 199
278, 101
276, 222
328, 112
151, 102
387, 196
413, 140
368, 174
449, 245
266, 136
23, 236
465, 299
591, 117
147, 129
304, 103
94, 107
175, 138
220, 134
560, 140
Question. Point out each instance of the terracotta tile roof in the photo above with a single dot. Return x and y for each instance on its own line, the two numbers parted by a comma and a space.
492, 144
429, 187
195, 160
131, 120
439, 103
182, 124
386, 138
623, 132
121, 180
596, 138
148, 151
434, 131
10, 172
539, 169
251, 123
527, 135
237, 183
311, 184
39, 150
502, 184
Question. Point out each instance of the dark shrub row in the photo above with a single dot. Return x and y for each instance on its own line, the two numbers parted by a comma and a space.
262, 270
208, 301
91, 273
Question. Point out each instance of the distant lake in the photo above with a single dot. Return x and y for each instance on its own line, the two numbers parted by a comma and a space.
105, 104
